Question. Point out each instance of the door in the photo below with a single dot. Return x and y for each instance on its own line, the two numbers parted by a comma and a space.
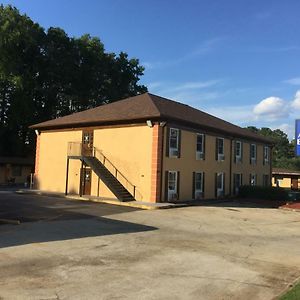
87, 142
86, 181
294, 184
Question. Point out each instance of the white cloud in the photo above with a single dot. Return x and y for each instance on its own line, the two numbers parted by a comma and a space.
273, 108
296, 101
289, 129
293, 81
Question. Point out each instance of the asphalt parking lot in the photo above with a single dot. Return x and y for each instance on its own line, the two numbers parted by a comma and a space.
67, 249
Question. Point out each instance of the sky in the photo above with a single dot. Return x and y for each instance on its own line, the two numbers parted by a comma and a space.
236, 59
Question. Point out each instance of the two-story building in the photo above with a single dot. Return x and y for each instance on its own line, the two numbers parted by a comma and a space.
149, 148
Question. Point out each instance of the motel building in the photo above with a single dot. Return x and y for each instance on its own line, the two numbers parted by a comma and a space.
151, 149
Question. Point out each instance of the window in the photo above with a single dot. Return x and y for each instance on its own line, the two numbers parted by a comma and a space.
200, 146
252, 153
253, 180
237, 182
220, 184
266, 180
266, 155
174, 142
172, 185
16, 171
238, 151
220, 149
198, 185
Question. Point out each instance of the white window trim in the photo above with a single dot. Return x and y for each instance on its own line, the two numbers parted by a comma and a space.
221, 156
200, 154
171, 194
220, 190
253, 159
199, 191
173, 152
266, 154
254, 177
238, 158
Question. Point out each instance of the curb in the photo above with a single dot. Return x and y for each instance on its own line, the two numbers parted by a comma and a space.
106, 201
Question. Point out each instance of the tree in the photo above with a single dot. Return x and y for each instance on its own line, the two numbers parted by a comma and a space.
283, 150
47, 74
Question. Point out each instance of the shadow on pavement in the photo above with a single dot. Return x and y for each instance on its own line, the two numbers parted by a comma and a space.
45, 219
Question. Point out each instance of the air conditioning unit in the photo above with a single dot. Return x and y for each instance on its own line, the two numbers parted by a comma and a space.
173, 152
199, 155
221, 157
238, 159
173, 197
198, 195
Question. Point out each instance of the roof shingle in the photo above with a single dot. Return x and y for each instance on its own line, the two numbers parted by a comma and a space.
148, 106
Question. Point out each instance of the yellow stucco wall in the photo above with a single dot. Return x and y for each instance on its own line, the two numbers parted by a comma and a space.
53, 161
128, 148
187, 164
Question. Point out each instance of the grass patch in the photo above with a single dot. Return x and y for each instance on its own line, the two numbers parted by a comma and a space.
293, 294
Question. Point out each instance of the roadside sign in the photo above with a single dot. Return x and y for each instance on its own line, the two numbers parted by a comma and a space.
297, 137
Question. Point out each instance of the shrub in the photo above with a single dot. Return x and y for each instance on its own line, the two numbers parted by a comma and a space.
263, 192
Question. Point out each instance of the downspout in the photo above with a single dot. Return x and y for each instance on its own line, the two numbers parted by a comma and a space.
230, 169
162, 124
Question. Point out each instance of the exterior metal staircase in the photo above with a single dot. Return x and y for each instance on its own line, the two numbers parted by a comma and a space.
118, 184
108, 178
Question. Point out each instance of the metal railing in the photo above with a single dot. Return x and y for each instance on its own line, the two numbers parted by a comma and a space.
77, 149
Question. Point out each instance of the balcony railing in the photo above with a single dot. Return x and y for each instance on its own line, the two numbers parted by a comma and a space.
78, 150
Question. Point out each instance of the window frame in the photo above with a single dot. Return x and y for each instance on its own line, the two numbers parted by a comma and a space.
254, 158
238, 158
200, 154
222, 155
266, 155
201, 182
236, 187
171, 149
220, 191
253, 177
175, 181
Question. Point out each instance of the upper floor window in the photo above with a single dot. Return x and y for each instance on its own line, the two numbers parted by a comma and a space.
220, 149
252, 153
266, 155
238, 151
174, 142
200, 146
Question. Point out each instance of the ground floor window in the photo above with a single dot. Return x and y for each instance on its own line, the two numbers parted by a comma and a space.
237, 182
172, 186
16, 171
253, 179
266, 180
220, 184
198, 185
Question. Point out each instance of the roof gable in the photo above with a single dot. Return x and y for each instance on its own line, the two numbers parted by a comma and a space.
149, 106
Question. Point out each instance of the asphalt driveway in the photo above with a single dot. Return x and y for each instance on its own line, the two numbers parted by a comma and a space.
77, 250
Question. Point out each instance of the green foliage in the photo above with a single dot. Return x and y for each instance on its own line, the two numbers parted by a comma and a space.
293, 294
283, 154
47, 74
263, 192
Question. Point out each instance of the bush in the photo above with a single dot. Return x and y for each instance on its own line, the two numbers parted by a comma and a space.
263, 192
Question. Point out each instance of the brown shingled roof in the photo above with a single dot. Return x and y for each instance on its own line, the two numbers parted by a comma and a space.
148, 106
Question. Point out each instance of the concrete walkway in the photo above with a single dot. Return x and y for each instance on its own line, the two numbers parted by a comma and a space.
135, 204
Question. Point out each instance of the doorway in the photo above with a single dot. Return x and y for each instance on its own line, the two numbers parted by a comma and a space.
86, 181
87, 142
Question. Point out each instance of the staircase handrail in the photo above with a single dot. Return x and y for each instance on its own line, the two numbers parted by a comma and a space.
79, 152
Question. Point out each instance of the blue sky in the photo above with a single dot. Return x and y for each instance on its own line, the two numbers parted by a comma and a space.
236, 59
